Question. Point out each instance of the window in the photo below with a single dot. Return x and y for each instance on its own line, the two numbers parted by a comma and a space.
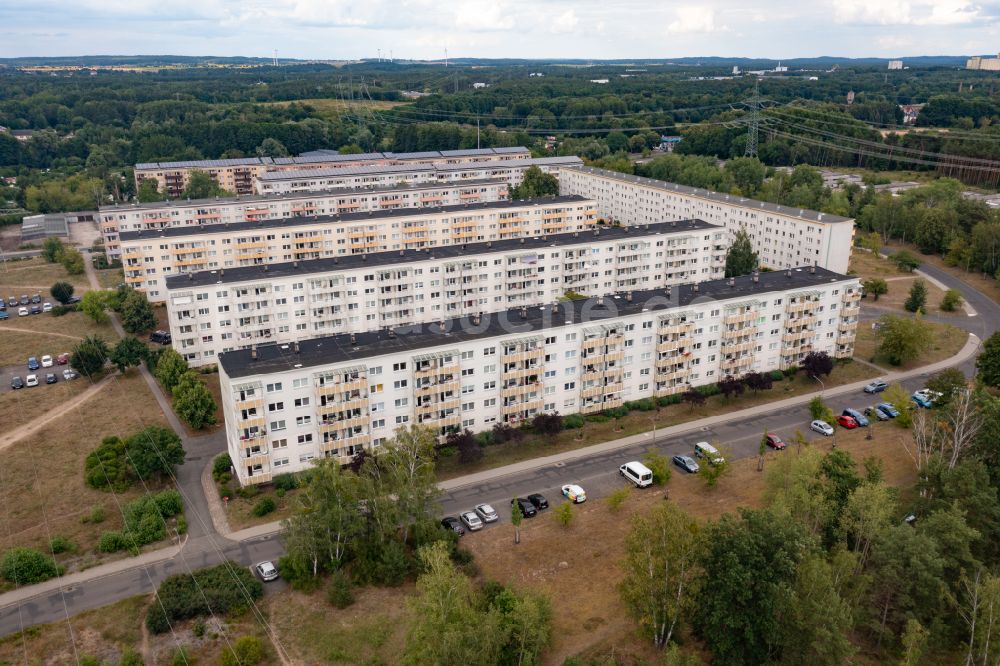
400, 384
302, 402
305, 439
489, 351
281, 462
397, 367
468, 406
302, 382
306, 457
275, 406
489, 386
466, 355
490, 402
271, 388
303, 420
402, 402
569, 386
570, 353
279, 443
277, 425
402, 419
468, 372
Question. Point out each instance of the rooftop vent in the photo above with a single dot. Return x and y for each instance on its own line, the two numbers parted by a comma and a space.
253, 352
392, 333
295, 347
354, 340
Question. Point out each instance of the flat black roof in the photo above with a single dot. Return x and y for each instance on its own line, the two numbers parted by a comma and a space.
274, 223
515, 322
389, 258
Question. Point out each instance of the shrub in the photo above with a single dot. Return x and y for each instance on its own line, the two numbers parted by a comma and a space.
617, 498
222, 464
644, 405
708, 390
106, 467
181, 657
667, 400
547, 424
60, 310
248, 492
97, 515
61, 291
791, 371
58, 544
777, 375
503, 433
228, 587
112, 542
659, 465
564, 514
573, 421
23, 566
286, 482
616, 413
951, 301
338, 591
264, 506
169, 503
246, 651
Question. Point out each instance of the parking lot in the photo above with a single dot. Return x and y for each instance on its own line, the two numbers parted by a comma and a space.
8, 373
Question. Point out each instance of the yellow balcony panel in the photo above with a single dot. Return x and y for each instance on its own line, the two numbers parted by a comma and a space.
258, 478
729, 320
850, 312
524, 355
250, 403
847, 326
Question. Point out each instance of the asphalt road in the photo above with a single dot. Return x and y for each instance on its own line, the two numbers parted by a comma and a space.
598, 474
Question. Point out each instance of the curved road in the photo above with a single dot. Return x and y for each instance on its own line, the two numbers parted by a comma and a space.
597, 473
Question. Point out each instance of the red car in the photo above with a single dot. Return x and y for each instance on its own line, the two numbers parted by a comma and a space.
63, 358
847, 421
775, 442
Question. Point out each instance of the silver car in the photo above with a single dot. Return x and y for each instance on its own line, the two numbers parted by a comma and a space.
822, 427
267, 571
487, 513
472, 521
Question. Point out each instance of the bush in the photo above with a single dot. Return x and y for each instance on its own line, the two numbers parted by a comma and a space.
58, 544
708, 390
60, 310
286, 482
951, 301
222, 464
564, 514
617, 498
644, 405
667, 400
96, 516
192, 401
169, 503
61, 291
23, 566
107, 468
573, 421
547, 424
228, 587
246, 651
112, 542
503, 433
777, 375
616, 413
338, 592
264, 506
659, 465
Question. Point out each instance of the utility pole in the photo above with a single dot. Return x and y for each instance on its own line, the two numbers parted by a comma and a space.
477, 131
754, 128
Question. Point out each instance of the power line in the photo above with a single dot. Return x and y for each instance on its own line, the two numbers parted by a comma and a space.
754, 125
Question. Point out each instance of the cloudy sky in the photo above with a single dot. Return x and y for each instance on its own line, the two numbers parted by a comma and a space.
341, 29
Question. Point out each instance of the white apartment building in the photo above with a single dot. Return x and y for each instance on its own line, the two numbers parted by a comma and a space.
782, 236
149, 257
217, 311
311, 180
237, 175
187, 212
286, 405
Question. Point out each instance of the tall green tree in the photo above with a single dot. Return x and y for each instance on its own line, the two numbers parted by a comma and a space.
876, 287
535, 183
129, 352
193, 402
61, 291
72, 261
170, 367
662, 571
52, 249
748, 174
817, 620
137, 313
917, 300
741, 258
148, 192
89, 355
154, 451
988, 361
902, 339
94, 305
750, 565
201, 185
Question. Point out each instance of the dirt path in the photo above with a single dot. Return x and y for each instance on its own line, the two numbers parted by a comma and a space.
13, 436
36, 332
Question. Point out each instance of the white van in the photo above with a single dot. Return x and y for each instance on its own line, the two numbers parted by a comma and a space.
637, 473
708, 452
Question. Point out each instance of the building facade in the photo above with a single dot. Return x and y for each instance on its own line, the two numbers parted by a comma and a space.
983, 63
149, 257
219, 311
238, 175
185, 213
286, 405
782, 236
373, 176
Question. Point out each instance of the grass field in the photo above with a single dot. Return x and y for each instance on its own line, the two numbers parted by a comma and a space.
41, 482
948, 341
29, 276
636, 422
867, 265
326, 107
110, 278
899, 291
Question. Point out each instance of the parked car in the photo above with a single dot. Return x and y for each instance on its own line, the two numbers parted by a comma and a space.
709, 453
72, 300
929, 396
33, 363
160, 336
452, 523
36, 309
31, 380
822, 427
37, 298
22, 312
46, 307
487, 513
539, 501
857, 416
574, 493
69, 373
847, 422
876, 386
24, 300
16, 382
527, 508
46, 361
12, 302
472, 521
50, 378
63, 358
922, 400
686, 463
875, 412
888, 409
775, 442
3, 305
267, 571
4, 314
637, 473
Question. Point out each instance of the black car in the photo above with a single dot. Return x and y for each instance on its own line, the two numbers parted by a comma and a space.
25, 300
72, 300
12, 301
539, 501
452, 523
160, 336
16, 383
50, 378
527, 508
36, 309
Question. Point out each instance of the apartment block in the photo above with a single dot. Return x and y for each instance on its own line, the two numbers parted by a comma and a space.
217, 311
288, 404
312, 180
237, 175
197, 212
782, 236
149, 257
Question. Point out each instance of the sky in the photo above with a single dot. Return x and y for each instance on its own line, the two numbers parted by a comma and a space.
423, 29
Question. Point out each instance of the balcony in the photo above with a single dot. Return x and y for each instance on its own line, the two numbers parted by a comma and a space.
257, 478
798, 337
524, 406
332, 424
683, 373
672, 345
132, 253
332, 388
521, 373
263, 458
738, 348
730, 320
675, 329
524, 355
850, 312
363, 441
734, 364
847, 326
250, 403
845, 340
801, 306
601, 406
520, 389
747, 331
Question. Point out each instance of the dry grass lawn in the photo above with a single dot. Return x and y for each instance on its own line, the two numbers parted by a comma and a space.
18, 408
239, 511
637, 422
333, 107
899, 291
866, 265
29, 276
17, 346
948, 341
110, 278
41, 482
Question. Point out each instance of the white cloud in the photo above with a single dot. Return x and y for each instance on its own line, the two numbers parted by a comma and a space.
565, 22
879, 12
694, 19
483, 15
951, 12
